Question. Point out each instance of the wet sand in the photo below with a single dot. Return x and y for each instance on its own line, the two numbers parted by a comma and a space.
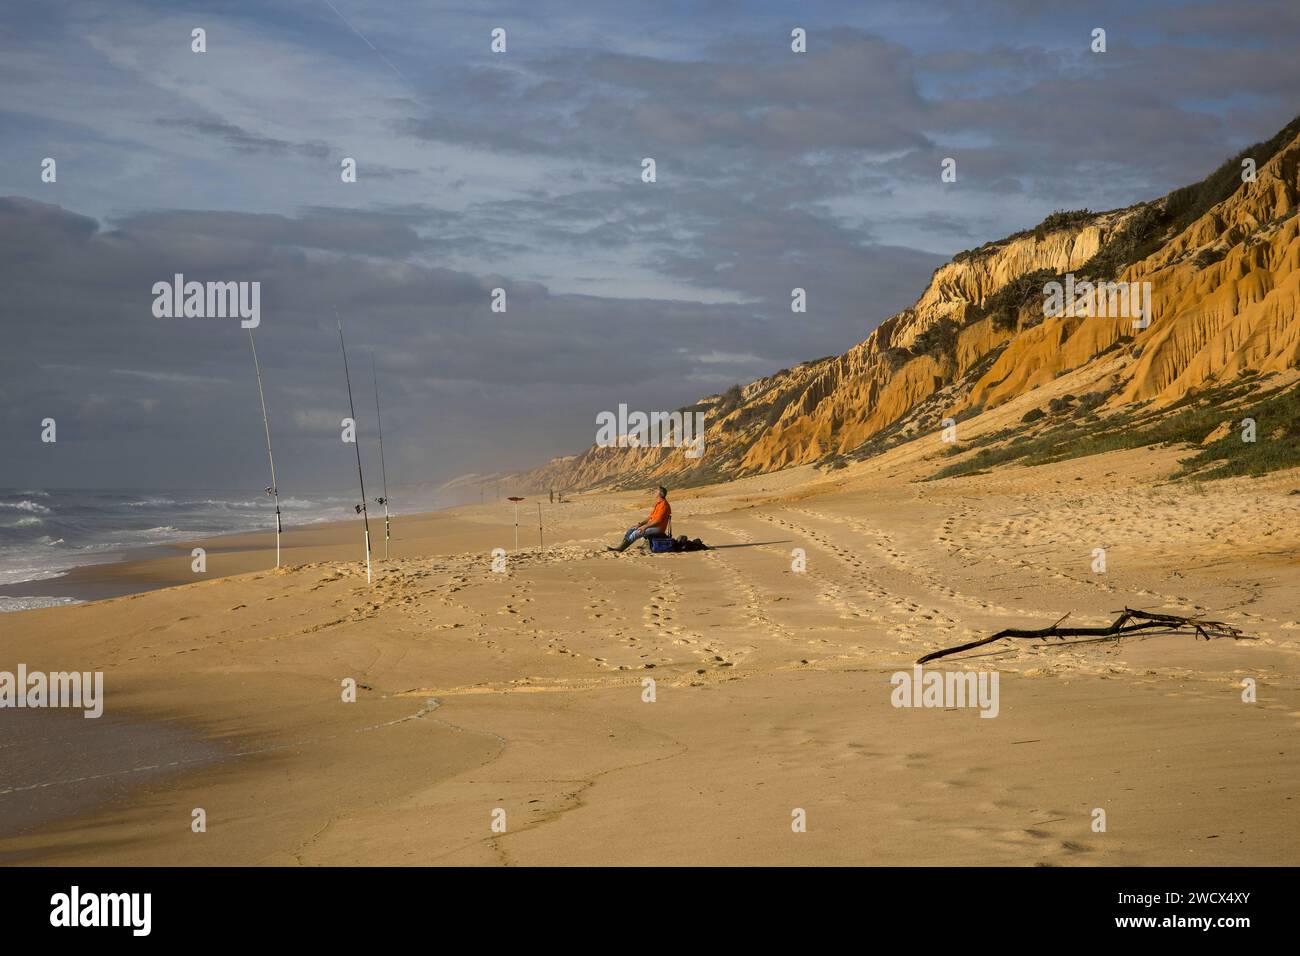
58, 764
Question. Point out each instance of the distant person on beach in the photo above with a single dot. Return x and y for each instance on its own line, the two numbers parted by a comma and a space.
654, 526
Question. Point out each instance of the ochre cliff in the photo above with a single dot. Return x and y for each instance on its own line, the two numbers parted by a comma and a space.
1223, 261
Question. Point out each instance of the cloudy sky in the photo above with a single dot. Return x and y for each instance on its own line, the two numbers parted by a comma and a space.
522, 170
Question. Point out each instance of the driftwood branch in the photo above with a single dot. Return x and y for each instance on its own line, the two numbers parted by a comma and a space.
1129, 622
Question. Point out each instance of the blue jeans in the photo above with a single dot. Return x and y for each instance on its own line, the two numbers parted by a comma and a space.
634, 534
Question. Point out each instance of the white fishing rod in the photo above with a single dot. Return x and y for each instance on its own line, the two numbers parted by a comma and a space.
274, 490
361, 508
382, 467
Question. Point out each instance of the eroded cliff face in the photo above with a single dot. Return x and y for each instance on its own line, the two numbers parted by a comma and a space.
1224, 296
1238, 313
1224, 293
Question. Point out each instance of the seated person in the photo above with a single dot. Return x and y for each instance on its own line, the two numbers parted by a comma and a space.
654, 526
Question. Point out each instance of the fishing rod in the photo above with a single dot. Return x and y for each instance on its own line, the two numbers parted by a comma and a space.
361, 508
274, 489
383, 467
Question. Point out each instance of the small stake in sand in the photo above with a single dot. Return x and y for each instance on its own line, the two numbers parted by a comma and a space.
274, 489
540, 544
361, 508
383, 467
516, 501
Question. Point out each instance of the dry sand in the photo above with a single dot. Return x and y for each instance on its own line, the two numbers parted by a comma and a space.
523, 690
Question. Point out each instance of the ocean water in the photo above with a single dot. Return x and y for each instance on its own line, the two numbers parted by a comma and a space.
46, 532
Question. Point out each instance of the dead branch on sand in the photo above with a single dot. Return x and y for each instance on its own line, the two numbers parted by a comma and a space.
1129, 622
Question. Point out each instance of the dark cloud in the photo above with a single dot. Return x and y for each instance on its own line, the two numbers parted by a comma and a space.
242, 140
376, 233
173, 397
857, 92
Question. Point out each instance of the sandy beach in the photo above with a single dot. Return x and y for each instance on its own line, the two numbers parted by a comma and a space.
519, 696
988, 422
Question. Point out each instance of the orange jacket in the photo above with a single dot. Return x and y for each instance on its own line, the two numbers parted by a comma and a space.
660, 516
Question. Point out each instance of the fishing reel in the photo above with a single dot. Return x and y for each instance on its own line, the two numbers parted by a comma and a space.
360, 508
272, 491
381, 501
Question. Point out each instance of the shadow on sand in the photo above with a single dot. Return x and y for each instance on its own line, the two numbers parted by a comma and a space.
752, 544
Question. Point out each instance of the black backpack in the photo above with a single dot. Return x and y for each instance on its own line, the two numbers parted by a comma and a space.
684, 543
